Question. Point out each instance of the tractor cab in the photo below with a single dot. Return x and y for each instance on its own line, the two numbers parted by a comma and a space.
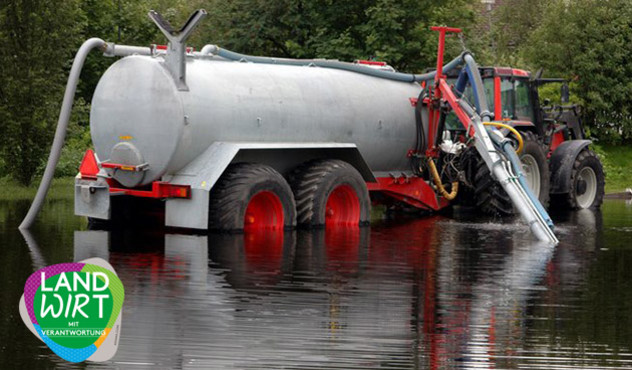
513, 97
510, 95
551, 133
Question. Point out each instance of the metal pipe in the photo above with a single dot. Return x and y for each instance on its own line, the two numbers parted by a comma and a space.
517, 164
528, 205
60, 132
114, 50
335, 64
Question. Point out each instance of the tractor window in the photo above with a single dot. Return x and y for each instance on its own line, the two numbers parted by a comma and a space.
523, 101
489, 92
506, 96
452, 121
516, 99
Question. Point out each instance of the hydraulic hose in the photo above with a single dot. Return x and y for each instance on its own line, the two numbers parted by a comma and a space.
334, 64
60, 132
513, 131
437, 181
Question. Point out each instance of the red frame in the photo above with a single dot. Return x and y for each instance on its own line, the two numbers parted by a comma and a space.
416, 191
159, 189
89, 169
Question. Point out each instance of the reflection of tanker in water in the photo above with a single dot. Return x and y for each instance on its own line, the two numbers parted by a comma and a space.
222, 301
166, 282
406, 294
333, 293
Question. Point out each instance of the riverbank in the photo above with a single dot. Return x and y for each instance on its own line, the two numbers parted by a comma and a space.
617, 163
61, 188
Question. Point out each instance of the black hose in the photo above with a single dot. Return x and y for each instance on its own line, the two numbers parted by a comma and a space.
420, 141
440, 127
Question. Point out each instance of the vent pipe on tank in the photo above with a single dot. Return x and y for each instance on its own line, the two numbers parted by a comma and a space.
176, 49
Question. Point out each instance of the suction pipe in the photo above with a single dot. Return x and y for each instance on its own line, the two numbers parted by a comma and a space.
60, 132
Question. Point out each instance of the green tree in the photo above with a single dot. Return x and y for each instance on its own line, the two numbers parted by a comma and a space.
393, 31
38, 38
124, 22
590, 42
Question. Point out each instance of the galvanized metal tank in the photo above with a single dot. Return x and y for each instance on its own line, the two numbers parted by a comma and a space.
139, 115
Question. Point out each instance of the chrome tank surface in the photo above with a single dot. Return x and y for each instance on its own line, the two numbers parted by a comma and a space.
137, 102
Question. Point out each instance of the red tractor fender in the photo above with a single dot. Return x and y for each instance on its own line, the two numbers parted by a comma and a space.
561, 164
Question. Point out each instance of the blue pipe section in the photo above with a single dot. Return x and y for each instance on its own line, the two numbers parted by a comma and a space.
474, 76
516, 164
334, 64
461, 83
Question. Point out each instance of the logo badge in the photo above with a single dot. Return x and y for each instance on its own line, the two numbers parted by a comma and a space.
75, 308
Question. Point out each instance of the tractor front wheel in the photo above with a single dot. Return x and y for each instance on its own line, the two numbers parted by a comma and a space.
587, 183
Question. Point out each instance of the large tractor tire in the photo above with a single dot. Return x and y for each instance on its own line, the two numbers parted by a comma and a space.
492, 199
587, 183
330, 192
251, 196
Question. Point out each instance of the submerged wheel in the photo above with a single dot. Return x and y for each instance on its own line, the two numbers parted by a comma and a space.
491, 198
587, 183
330, 192
251, 196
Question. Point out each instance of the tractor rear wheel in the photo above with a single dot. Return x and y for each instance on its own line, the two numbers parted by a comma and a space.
587, 183
491, 198
251, 196
330, 192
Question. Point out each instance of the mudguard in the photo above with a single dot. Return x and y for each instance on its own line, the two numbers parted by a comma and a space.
561, 164
203, 172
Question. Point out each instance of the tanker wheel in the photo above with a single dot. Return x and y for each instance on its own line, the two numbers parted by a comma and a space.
587, 183
250, 197
492, 199
330, 192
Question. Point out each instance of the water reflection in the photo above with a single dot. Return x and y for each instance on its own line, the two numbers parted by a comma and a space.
400, 295
436, 293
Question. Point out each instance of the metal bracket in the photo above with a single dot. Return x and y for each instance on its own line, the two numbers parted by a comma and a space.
176, 50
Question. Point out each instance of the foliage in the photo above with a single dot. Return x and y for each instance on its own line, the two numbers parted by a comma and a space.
37, 37
393, 31
589, 42
11, 189
617, 166
509, 27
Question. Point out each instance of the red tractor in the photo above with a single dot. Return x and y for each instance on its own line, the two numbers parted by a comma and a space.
557, 162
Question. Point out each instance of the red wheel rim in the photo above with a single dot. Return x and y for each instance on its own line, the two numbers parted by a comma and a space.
343, 207
264, 211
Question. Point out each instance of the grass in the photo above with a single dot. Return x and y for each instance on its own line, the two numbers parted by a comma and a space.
61, 188
617, 163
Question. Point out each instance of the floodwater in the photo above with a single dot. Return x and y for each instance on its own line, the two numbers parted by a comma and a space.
453, 291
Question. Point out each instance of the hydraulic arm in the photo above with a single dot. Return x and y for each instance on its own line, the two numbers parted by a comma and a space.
496, 150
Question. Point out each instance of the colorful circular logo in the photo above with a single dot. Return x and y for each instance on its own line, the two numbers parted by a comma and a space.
75, 309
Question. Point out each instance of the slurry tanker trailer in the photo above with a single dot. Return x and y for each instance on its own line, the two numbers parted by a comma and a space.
225, 141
